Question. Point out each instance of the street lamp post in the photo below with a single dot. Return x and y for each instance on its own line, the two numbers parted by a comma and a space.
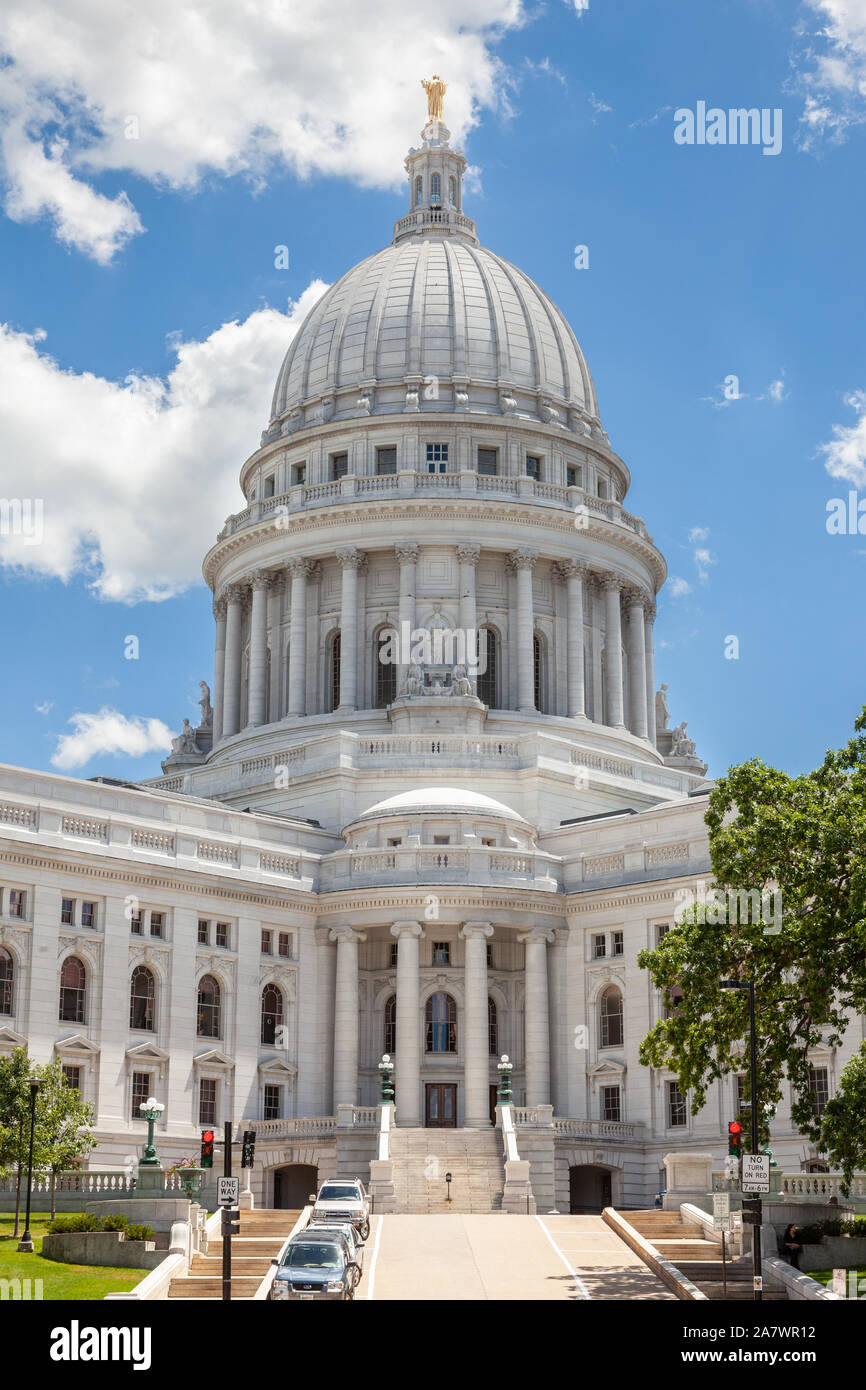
386, 1080
26, 1242
151, 1109
757, 1206
505, 1068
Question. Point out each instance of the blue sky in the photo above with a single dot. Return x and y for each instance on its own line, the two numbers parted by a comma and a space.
146, 321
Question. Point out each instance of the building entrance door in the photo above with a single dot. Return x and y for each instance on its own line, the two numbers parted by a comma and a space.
494, 1101
440, 1106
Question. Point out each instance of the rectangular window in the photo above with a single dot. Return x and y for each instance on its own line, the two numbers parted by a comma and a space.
140, 1092
266, 943
203, 931
610, 1104
88, 914
339, 465
572, 476
392, 956
441, 839
72, 1077
441, 953
17, 902
386, 460
437, 458
67, 912
222, 933
272, 1107
299, 474
618, 943
136, 924
488, 461
819, 1089
599, 946
740, 1082
677, 1118
284, 944
207, 1101
157, 923
268, 490
661, 931
533, 466
489, 955
601, 488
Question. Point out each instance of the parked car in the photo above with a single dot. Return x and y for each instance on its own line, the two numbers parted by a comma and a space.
355, 1243
343, 1200
319, 1266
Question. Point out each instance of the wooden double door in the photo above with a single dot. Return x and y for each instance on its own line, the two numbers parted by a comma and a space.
440, 1105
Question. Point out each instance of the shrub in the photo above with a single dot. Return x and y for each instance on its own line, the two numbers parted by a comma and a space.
810, 1235
856, 1226
139, 1231
834, 1226
115, 1221
75, 1221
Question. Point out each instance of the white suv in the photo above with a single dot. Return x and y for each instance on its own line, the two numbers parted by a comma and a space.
343, 1200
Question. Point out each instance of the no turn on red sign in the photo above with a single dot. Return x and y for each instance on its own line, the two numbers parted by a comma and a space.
756, 1173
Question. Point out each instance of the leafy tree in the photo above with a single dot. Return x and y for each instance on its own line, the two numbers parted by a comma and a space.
15, 1072
843, 1124
62, 1121
803, 838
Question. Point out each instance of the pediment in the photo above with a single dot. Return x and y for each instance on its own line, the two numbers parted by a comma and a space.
609, 1069
147, 1052
76, 1046
277, 1066
9, 1038
213, 1058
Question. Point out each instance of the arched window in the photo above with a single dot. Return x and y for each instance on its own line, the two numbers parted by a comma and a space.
7, 976
436, 189
441, 1018
419, 189
610, 1018
334, 672
208, 1017
272, 1013
452, 192
73, 991
141, 997
488, 679
390, 1040
386, 672
539, 672
492, 1028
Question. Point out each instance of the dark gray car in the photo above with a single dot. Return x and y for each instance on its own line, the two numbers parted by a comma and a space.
319, 1267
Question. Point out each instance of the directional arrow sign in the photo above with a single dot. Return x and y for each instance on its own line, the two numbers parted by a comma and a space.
756, 1173
228, 1191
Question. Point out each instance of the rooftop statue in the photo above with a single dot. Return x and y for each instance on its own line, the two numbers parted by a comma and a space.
435, 89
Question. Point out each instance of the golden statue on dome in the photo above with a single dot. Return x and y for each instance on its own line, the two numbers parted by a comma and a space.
435, 90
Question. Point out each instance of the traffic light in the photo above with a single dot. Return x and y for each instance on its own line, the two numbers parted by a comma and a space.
248, 1149
206, 1148
231, 1222
735, 1139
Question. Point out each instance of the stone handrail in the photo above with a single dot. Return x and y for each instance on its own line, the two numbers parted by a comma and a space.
596, 1129
509, 1135
809, 1186
304, 1125
385, 1113
88, 1182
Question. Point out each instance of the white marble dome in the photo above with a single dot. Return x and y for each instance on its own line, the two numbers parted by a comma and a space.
455, 799
441, 307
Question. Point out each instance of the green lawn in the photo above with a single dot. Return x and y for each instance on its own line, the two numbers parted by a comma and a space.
59, 1282
825, 1276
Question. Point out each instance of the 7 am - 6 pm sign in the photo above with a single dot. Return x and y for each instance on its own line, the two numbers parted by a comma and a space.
756, 1173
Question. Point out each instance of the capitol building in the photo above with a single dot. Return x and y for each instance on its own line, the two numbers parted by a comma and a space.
434, 806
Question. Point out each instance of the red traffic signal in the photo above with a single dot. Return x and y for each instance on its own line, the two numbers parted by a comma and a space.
735, 1139
207, 1148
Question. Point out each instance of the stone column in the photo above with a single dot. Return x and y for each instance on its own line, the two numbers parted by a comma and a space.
346, 1016
573, 575
468, 557
407, 556
537, 1016
231, 717
300, 571
476, 1042
522, 561
407, 1059
350, 561
612, 584
275, 613
637, 663
258, 648
649, 611
219, 666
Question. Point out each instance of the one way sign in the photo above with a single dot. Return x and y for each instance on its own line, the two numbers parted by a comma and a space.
228, 1191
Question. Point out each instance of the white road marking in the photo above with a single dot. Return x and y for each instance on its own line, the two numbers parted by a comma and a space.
371, 1268
584, 1291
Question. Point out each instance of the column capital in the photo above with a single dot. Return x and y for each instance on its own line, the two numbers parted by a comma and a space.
407, 554
543, 934
236, 593
481, 929
260, 580
469, 554
609, 579
649, 608
302, 567
634, 595
219, 607
522, 559
409, 928
351, 558
571, 569
346, 933
276, 580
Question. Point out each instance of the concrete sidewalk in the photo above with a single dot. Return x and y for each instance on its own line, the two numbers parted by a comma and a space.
461, 1257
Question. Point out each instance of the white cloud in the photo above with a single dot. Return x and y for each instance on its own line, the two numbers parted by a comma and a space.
171, 93
678, 586
832, 72
45, 707
699, 533
599, 107
846, 452
134, 477
109, 732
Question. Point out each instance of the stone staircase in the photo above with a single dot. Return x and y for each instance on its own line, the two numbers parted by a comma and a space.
422, 1157
683, 1243
262, 1235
